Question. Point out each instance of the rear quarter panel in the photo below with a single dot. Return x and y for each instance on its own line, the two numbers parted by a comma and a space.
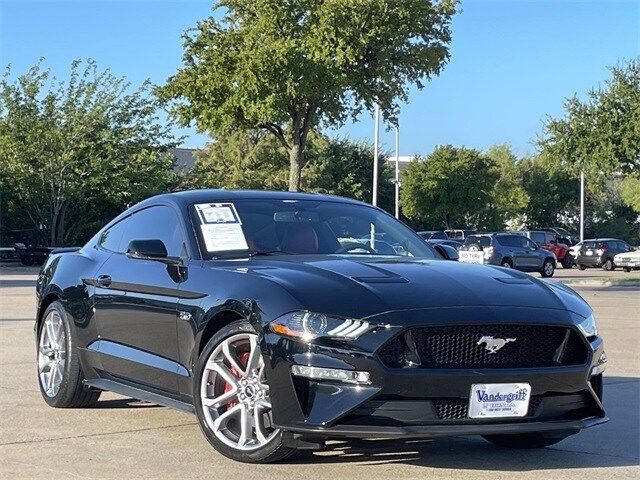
61, 279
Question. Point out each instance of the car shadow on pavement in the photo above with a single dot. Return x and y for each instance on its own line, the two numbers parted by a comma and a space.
124, 403
616, 443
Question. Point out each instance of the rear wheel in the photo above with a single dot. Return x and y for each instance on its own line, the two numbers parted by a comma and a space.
506, 263
582, 267
627, 269
548, 268
567, 261
59, 372
232, 399
608, 265
526, 440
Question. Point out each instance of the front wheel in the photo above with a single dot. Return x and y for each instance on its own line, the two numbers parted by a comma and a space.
526, 440
548, 268
582, 267
232, 398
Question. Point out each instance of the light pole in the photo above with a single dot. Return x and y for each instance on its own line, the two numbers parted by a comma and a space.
376, 126
582, 205
397, 179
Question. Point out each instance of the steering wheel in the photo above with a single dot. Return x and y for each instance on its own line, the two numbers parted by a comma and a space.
347, 247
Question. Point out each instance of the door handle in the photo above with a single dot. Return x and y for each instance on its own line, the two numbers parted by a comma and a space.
103, 281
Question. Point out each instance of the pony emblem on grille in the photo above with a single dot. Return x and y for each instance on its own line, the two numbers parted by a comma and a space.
492, 345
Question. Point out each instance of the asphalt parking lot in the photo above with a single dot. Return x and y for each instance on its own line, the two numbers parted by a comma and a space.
124, 438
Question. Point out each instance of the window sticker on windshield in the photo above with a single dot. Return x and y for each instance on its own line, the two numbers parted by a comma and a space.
221, 227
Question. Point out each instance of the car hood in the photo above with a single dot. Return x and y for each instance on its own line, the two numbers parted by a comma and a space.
364, 286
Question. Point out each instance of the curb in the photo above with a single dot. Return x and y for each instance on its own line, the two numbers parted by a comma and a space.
602, 283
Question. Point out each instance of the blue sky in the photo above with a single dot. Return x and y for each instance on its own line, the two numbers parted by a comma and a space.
512, 62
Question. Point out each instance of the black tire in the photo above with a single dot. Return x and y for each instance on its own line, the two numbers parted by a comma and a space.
608, 265
275, 450
582, 267
526, 440
567, 261
506, 263
72, 393
627, 269
548, 268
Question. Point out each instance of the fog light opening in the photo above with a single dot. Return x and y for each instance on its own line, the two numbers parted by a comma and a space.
334, 374
601, 366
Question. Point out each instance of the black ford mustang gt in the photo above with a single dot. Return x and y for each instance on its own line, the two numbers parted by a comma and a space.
284, 319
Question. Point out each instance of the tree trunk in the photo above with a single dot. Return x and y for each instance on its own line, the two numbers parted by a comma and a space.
295, 167
57, 223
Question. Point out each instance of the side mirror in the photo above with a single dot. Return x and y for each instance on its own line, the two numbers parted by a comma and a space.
150, 250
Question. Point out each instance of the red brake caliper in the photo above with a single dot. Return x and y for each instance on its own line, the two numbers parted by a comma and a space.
243, 358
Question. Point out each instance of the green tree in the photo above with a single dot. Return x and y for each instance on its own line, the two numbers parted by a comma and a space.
553, 192
600, 135
73, 152
630, 192
288, 67
508, 197
255, 159
451, 187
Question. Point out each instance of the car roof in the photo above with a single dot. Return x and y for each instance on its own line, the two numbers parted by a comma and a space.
188, 197
602, 240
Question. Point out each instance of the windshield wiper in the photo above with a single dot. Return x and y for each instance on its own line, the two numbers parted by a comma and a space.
249, 253
266, 253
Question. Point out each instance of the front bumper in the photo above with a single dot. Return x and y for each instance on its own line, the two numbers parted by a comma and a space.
409, 402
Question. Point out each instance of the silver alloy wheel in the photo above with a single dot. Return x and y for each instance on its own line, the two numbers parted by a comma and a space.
548, 268
52, 353
235, 395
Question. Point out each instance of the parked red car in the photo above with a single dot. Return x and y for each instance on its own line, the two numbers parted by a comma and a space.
549, 241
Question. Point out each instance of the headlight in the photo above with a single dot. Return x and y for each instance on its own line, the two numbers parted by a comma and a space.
588, 326
310, 325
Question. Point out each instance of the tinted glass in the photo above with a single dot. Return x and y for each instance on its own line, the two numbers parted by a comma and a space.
317, 227
623, 247
538, 237
511, 240
439, 236
112, 237
480, 240
155, 223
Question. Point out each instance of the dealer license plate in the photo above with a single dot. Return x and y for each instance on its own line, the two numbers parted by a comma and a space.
494, 400
471, 257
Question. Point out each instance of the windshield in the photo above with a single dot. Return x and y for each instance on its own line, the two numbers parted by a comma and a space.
562, 231
304, 227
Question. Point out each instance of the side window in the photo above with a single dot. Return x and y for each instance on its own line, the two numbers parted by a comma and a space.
512, 240
158, 222
538, 237
111, 238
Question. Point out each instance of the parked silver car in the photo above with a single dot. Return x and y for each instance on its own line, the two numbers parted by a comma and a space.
508, 250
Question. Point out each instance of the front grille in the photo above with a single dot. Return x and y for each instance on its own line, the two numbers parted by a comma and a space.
457, 346
457, 408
